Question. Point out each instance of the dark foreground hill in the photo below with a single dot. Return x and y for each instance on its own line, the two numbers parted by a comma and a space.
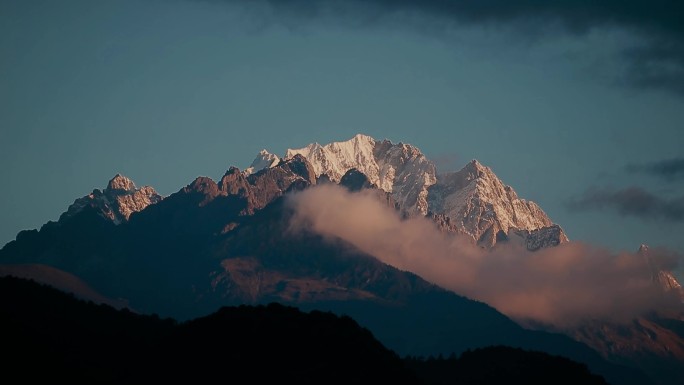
502, 365
50, 337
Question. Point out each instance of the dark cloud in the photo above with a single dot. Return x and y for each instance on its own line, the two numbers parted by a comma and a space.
658, 65
658, 62
657, 16
669, 169
632, 201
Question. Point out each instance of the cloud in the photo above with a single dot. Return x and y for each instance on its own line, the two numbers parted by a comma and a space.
655, 61
561, 285
668, 169
632, 201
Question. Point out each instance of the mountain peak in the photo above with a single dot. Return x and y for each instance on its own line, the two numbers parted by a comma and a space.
484, 206
399, 169
662, 278
476, 170
116, 202
120, 183
363, 138
264, 159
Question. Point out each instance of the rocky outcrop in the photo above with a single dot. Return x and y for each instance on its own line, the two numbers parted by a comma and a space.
117, 202
263, 186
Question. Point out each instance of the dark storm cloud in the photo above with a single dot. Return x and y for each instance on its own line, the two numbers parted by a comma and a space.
632, 201
657, 62
669, 169
656, 15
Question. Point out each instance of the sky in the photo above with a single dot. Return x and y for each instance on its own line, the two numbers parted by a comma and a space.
578, 106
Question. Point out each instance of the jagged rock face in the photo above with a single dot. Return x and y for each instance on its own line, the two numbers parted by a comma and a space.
268, 184
400, 169
474, 200
262, 187
117, 202
482, 206
667, 281
533, 240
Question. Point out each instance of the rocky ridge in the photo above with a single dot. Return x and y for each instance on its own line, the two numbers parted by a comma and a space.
400, 169
473, 201
117, 201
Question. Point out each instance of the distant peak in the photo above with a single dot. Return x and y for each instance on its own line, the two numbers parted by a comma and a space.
476, 164
120, 183
264, 159
476, 168
363, 137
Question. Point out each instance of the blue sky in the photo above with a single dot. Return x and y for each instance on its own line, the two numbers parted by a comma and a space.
573, 112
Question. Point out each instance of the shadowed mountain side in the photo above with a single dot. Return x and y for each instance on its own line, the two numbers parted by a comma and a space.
406, 313
651, 343
59, 279
158, 259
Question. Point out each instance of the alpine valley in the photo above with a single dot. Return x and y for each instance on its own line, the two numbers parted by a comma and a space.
231, 242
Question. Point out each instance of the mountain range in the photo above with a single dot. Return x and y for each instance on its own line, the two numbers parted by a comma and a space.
230, 242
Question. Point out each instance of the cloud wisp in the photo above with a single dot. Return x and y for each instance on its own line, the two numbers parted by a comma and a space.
561, 286
631, 201
668, 169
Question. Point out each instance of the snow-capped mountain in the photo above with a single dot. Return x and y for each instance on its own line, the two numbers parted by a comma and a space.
229, 241
400, 169
117, 202
472, 201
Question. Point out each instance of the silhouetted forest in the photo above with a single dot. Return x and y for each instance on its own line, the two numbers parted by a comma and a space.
501, 365
50, 337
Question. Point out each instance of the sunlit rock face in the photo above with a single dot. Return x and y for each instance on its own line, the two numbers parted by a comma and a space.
117, 201
400, 169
